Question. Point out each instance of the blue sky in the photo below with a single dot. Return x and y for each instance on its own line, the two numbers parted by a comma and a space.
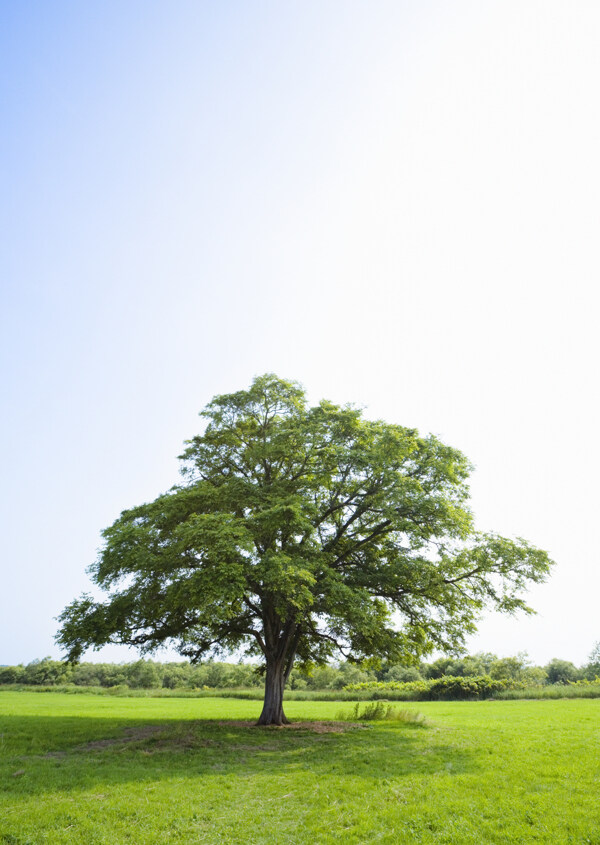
395, 203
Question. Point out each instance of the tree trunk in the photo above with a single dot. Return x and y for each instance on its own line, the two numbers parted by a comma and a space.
272, 712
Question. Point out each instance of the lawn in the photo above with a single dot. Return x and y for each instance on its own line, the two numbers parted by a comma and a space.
90, 769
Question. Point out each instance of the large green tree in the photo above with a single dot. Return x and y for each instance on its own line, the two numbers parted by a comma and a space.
298, 533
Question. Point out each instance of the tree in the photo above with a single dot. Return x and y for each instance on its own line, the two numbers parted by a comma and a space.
592, 668
298, 533
510, 668
562, 671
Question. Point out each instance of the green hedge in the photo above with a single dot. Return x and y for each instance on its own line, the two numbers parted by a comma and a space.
446, 688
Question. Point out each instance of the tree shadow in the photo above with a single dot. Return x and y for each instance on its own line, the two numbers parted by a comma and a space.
66, 755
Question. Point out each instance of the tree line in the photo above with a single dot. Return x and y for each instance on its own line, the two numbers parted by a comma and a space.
149, 674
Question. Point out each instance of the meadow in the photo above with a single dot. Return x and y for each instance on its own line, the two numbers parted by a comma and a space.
111, 770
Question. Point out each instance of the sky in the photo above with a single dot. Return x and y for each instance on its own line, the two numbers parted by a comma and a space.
393, 203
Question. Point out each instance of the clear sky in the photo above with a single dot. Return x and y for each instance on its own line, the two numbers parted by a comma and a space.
394, 203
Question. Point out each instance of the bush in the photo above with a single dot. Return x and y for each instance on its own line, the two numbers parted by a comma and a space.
378, 711
373, 712
447, 687
474, 687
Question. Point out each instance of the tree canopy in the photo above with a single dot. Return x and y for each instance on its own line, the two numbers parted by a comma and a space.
299, 533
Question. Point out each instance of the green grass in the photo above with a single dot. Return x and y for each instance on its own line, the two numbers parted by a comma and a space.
252, 694
100, 769
553, 691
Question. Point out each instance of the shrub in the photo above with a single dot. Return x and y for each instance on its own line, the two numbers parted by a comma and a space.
586, 682
474, 687
378, 711
447, 687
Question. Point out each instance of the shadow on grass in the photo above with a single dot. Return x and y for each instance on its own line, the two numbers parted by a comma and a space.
62, 755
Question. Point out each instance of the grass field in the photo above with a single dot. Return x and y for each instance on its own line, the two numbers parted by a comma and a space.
90, 769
